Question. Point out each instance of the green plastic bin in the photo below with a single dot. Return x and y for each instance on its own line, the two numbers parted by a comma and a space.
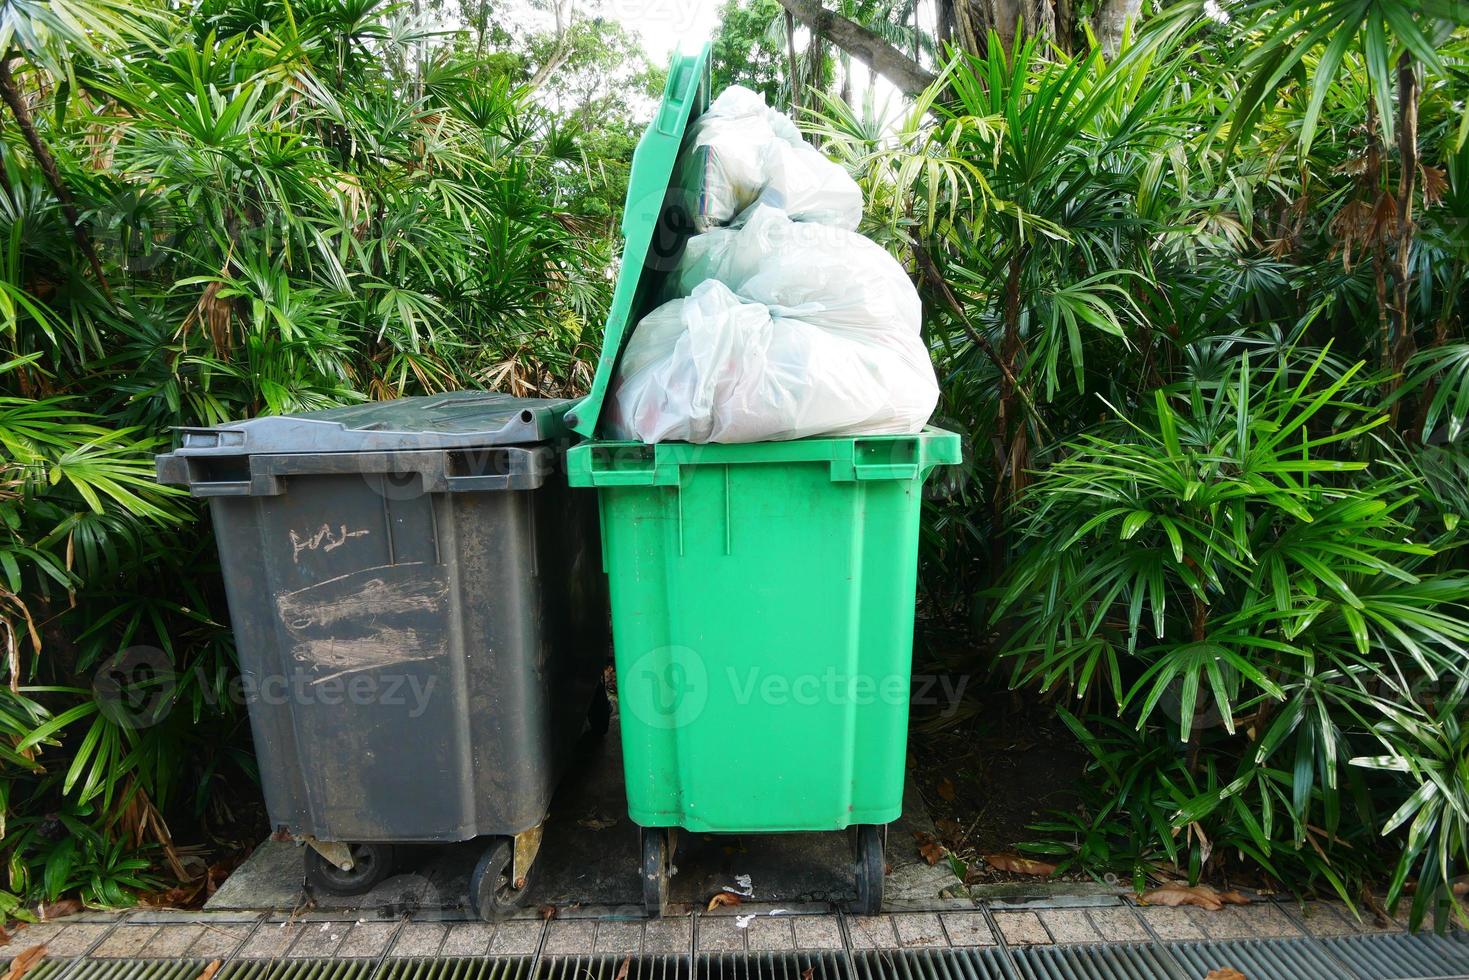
762, 594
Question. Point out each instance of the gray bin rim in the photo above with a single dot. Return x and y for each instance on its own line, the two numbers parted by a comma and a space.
459, 441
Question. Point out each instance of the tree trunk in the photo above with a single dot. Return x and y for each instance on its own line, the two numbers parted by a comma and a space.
792, 66
813, 58
1011, 423
481, 25
47, 163
1402, 347
1065, 24
1009, 19
1041, 20
1371, 181
971, 26
1111, 22
944, 24
863, 44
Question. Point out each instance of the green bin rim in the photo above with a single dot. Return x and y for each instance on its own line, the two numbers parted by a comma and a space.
685, 97
622, 463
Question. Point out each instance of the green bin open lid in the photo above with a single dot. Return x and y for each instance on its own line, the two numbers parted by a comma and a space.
653, 233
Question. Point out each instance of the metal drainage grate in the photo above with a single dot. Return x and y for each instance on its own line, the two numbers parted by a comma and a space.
1400, 956
803, 965
455, 968
706, 966
609, 966
190, 969
47, 969
1376, 957
103, 969
1260, 959
293, 969
1111, 961
932, 964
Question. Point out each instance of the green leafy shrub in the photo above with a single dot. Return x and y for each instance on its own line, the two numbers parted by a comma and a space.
272, 207
1240, 560
1235, 575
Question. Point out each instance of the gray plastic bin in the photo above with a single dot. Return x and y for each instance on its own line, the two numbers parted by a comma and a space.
421, 621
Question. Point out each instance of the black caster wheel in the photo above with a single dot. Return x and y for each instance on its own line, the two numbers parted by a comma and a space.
371, 863
656, 855
599, 712
869, 844
492, 894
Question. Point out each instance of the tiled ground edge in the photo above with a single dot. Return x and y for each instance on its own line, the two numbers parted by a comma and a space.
168, 935
1278, 958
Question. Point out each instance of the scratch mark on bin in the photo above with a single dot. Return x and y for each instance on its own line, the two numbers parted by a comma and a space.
324, 538
368, 619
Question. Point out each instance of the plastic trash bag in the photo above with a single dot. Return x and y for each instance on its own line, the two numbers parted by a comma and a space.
713, 367
740, 151
838, 279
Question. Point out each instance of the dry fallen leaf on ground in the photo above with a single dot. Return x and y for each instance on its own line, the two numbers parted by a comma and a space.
723, 898
933, 852
548, 912
58, 910
1224, 973
596, 822
1015, 864
209, 971
180, 896
807, 973
1173, 897
1201, 896
946, 789
622, 970
24, 962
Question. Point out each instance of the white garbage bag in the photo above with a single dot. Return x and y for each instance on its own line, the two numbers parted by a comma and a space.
713, 367
850, 282
740, 151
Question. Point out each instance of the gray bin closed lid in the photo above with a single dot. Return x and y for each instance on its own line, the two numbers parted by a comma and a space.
454, 420
428, 434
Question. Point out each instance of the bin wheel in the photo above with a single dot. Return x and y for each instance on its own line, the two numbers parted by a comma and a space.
492, 895
871, 868
371, 863
655, 871
599, 712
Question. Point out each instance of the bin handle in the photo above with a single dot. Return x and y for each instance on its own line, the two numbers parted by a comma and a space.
622, 478
885, 471
674, 98
629, 467
886, 459
525, 468
442, 470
